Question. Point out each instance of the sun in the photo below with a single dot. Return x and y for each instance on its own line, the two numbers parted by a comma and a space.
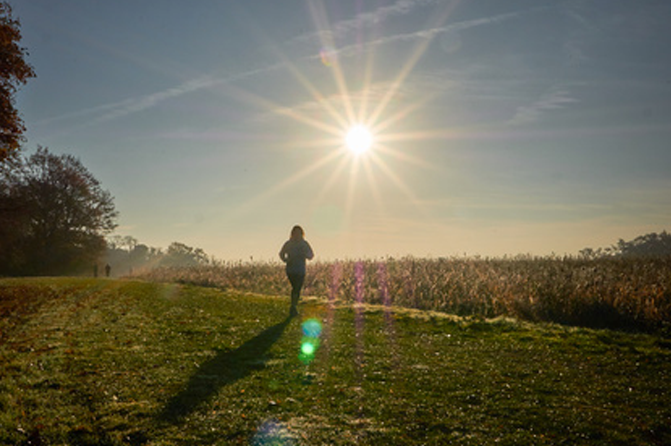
359, 139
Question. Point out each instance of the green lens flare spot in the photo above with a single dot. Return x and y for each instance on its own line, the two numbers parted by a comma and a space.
308, 348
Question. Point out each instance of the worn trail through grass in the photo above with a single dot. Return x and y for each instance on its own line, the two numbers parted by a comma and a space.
123, 362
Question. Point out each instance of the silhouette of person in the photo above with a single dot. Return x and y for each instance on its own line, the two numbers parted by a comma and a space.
294, 253
108, 269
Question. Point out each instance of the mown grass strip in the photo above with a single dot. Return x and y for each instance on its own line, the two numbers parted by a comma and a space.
124, 362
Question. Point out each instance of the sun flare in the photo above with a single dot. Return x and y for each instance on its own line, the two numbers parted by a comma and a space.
359, 139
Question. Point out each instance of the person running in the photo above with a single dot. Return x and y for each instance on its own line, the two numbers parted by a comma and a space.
294, 253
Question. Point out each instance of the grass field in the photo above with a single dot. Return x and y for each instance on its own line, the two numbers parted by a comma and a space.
105, 362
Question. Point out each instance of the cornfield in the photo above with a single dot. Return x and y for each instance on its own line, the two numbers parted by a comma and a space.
623, 293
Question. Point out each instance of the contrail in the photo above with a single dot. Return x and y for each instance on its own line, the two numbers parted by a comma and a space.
430, 33
130, 106
149, 101
342, 28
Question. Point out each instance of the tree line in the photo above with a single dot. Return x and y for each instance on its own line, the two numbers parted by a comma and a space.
55, 218
54, 214
127, 256
648, 245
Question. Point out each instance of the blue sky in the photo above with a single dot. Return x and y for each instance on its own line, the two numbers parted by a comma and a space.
499, 127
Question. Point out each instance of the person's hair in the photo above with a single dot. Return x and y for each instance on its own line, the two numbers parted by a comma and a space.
297, 232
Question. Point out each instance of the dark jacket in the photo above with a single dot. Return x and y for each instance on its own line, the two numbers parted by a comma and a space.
294, 253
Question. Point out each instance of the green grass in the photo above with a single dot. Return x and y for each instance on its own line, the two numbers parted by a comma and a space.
103, 362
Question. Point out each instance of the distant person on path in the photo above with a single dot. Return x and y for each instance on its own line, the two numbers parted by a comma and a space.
108, 269
294, 253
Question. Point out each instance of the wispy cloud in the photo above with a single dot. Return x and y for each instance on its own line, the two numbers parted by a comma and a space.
343, 28
340, 29
435, 84
553, 100
130, 106
401, 7
427, 34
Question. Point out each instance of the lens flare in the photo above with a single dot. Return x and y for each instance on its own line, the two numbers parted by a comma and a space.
273, 432
328, 56
312, 328
359, 276
308, 347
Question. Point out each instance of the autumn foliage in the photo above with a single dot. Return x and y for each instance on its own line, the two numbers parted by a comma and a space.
14, 72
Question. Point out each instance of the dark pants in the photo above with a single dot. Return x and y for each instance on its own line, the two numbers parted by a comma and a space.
296, 286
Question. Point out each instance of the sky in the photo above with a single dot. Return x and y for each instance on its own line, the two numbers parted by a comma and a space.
498, 128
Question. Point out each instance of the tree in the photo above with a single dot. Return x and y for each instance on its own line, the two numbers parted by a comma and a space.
13, 218
648, 245
118, 242
58, 214
179, 254
126, 255
14, 71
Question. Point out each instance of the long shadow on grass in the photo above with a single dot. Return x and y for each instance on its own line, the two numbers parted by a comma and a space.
222, 370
